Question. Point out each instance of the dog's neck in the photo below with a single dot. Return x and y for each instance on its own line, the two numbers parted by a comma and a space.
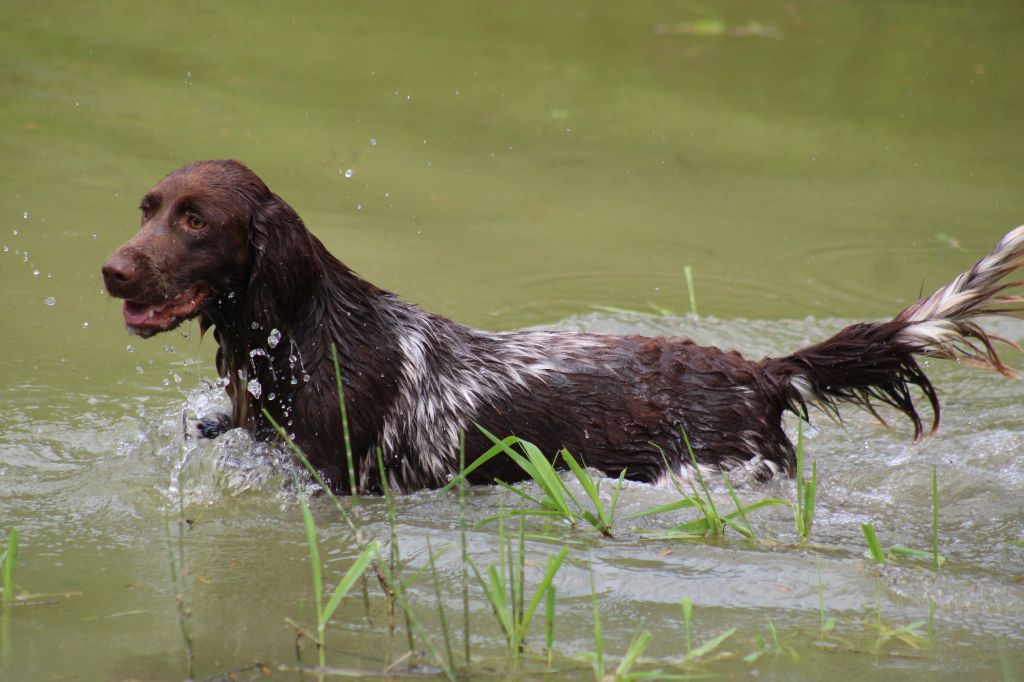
277, 359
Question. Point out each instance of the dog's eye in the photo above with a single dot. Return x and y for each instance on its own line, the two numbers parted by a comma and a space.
195, 222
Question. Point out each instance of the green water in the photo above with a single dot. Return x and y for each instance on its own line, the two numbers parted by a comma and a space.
512, 164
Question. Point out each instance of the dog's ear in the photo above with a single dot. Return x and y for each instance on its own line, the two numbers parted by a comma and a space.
284, 263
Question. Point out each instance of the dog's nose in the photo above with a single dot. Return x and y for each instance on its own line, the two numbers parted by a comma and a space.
118, 271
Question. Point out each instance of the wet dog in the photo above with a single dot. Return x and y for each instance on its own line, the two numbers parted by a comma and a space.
216, 244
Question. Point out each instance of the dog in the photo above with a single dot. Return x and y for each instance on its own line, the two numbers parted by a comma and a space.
217, 245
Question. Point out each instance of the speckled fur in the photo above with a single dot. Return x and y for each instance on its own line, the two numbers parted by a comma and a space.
414, 382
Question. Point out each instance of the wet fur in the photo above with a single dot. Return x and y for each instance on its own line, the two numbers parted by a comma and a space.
414, 381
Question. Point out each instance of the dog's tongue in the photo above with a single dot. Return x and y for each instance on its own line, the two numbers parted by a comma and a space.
147, 315
162, 315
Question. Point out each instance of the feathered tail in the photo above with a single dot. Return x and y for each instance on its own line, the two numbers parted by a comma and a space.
872, 363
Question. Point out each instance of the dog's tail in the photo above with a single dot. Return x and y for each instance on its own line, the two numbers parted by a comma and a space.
871, 363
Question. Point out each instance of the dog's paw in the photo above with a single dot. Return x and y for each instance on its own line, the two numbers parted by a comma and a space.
213, 425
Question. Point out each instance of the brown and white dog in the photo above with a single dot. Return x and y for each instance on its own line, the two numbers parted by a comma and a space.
216, 244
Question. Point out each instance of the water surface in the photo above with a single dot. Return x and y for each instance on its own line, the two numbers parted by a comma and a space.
510, 166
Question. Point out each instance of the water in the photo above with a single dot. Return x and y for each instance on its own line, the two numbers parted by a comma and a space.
510, 166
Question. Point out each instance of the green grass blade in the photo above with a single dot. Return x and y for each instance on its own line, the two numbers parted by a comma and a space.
697, 527
526, 496
351, 576
700, 479
440, 606
739, 507
349, 519
688, 273
636, 648
598, 637
554, 563
684, 503
767, 502
687, 605
549, 480
710, 645
588, 485
875, 550
810, 495
615, 496
495, 596
10, 557
492, 452
549, 622
743, 530
314, 554
344, 426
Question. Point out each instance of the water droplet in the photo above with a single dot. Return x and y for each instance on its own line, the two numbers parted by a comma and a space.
85, 325
294, 381
50, 300
305, 378
254, 387
255, 325
25, 215
272, 396
14, 232
274, 338
36, 273
138, 368
348, 173
359, 207
170, 349
373, 141
130, 348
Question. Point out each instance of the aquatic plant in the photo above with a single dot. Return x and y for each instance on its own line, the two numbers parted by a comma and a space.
877, 554
325, 610
696, 653
558, 499
7, 560
688, 273
806, 489
504, 585
710, 520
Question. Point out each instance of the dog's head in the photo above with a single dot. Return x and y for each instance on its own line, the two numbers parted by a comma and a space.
193, 251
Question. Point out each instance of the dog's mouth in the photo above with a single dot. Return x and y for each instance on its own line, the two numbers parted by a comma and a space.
148, 319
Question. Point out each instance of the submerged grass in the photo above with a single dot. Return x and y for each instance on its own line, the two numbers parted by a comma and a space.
179, 568
504, 586
8, 560
325, 610
806, 489
710, 521
558, 499
702, 651
688, 273
936, 560
514, 604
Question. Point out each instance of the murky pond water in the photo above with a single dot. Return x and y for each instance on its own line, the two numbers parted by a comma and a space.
512, 165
